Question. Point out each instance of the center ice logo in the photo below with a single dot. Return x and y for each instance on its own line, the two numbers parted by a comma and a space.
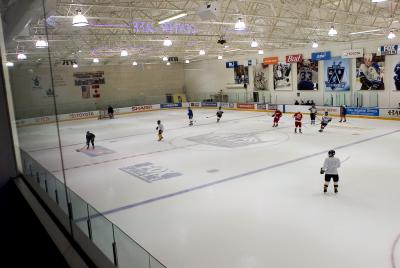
149, 172
335, 76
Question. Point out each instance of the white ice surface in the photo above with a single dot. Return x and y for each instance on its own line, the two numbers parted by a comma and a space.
264, 217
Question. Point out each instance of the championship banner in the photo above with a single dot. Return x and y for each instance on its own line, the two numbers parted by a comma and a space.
353, 53
326, 55
389, 49
294, 58
337, 76
270, 60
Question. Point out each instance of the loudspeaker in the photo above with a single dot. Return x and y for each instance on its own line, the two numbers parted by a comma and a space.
209, 11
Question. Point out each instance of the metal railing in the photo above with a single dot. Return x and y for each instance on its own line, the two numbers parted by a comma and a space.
114, 243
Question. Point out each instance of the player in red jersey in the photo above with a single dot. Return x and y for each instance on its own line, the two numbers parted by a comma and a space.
277, 115
297, 121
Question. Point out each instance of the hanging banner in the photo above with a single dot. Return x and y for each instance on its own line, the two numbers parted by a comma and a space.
260, 77
270, 60
389, 49
353, 53
231, 64
307, 75
282, 76
294, 58
392, 72
370, 72
337, 76
326, 55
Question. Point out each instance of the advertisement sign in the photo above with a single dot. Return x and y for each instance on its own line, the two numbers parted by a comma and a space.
353, 53
390, 113
195, 104
142, 108
389, 49
231, 64
330, 110
282, 76
208, 104
82, 115
294, 58
270, 60
170, 105
336, 75
297, 108
227, 105
362, 111
262, 106
249, 62
272, 107
326, 55
307, 75
245, 106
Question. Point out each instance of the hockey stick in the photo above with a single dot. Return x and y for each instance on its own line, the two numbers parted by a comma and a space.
78, 150
211, 116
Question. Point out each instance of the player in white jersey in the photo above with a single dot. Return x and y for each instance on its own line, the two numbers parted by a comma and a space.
331, 164
160, 128
325, 121
313, 113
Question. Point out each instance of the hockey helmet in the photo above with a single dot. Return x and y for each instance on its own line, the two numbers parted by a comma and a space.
331, 153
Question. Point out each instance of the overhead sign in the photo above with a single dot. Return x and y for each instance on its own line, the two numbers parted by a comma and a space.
270, 60
231, 64
294, 58
325, 55
353, 53
249, 62
389, 49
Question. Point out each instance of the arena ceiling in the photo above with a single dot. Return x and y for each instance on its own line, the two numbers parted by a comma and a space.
133, 25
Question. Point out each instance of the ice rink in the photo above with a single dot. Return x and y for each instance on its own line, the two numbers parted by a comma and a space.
237, 194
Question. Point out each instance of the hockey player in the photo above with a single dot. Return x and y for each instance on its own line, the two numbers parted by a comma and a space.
313, 114
331, 164
89, 139
343, 112
397, 76
277, 116
110, 111
219, 114
324, 121
160, 129
297, 121
307, 76
190, 115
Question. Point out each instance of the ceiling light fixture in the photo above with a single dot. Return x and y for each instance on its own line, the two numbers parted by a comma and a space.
254, 43
134, 63
261, 52
167, 42
202, 52
41, 43
314, 44
79, 20
95, 60
10, 64
219, 57
332, 31
377, 1
168, 63
173, 18
367, 31
239, 25
391, 35
75, 65
187, 61
21, 56
165, 58
124, 53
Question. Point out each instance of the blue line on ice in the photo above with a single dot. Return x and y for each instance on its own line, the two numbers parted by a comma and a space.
195, 188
